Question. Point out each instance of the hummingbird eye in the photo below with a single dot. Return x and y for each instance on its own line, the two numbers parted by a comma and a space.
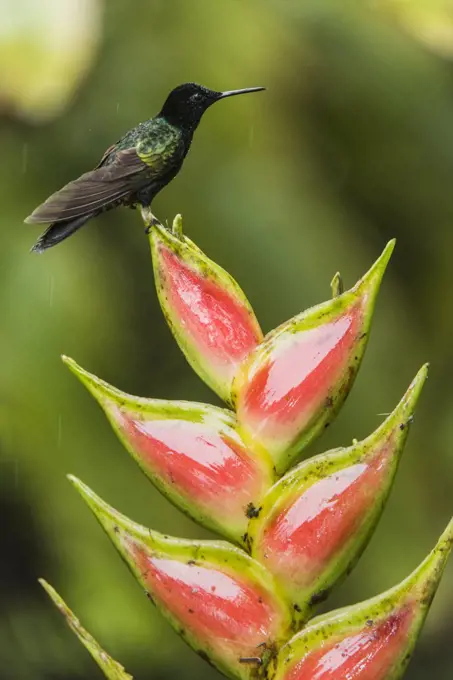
196, 97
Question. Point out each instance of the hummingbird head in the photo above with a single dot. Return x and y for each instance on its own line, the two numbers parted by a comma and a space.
186, 104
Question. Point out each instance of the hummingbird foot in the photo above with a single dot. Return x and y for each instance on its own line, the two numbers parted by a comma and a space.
149, 219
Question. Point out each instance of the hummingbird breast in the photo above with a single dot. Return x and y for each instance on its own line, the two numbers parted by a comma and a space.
163, 148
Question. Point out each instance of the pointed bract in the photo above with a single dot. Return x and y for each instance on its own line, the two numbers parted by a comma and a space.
192, 452
373, 640
220, 600
111, 668
209, 315
292, 386
316, 521
336, 285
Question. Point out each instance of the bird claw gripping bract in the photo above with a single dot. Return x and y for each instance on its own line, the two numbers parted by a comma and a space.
298, 532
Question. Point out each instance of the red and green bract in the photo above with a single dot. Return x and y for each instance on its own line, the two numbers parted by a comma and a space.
298, 531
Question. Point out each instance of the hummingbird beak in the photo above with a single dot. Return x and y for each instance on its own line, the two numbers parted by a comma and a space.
232, 93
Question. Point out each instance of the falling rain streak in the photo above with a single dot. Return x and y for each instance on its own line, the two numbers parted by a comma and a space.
51, 289
24, 157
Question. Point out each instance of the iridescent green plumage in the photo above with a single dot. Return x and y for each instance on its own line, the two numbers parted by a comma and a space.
132, 171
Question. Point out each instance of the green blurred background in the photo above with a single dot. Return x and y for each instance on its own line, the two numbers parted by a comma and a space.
351, 145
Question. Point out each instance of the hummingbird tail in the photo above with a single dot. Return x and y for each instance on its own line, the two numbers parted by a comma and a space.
58, 231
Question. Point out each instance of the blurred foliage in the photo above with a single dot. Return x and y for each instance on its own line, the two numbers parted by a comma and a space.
46, 48
351, 145
430, 21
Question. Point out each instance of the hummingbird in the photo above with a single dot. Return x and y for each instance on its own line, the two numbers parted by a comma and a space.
132, 171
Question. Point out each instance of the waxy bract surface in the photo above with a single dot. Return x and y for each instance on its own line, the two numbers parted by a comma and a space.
193, 453
208, 313
373, 640
305, 530
224, 603
316, 521
292, 386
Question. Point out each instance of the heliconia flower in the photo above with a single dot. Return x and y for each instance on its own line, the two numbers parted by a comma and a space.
192, 452
373, 640
209, 315
111, 668
292, 386
219, 599
315, 522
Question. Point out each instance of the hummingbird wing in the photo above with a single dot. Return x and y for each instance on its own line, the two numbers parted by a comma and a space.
97, 189
119, 174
